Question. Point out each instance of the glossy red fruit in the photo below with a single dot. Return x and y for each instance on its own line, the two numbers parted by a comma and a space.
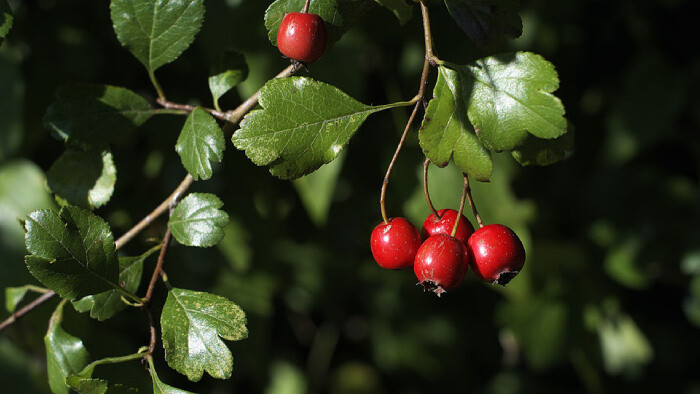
496, 253
441, 263
444, 224
302, 37
394, 244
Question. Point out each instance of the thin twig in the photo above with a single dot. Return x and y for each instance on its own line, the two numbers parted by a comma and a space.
425, 189
428, 35
471, 202
160, 209
159, 265
28, 308
152, 327
461, 204
306, 7
189, 108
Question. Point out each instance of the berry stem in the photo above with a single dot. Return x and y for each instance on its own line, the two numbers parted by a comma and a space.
471, 202
425, 188
465, 188
385, 183
306, 7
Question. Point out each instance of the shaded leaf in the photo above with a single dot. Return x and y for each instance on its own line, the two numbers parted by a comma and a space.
624, 346
105, 305
303, 125
201, 141
6, 19
338, 15
542, 152
487, 22
72, 252
228, 70
83, 177
191, 324
316, 190
96, 114
158, 386
15, 295
446, 131
87, 385
11, 104
511, 96
65, 354
198, 220
157, 31
402, 10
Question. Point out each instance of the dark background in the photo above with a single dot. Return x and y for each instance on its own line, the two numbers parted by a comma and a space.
609, 300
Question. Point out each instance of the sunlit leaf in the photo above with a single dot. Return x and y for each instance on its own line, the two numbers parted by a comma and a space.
198, 220
65, 354
228, 70
201, 142
193, 324
83, 177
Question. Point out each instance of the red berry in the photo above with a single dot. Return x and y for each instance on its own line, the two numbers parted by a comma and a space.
445, 223
441, 263
496, 254
394, 244
302, 37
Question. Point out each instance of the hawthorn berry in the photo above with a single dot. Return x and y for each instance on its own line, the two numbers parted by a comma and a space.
394, 244
302, 37
441, 263
496, 254
445, 223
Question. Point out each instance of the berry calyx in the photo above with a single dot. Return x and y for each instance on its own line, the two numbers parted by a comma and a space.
394, 244
302, 37
496, 254
444, 224
441, 263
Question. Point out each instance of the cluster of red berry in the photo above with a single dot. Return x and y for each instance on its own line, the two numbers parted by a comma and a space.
494, 252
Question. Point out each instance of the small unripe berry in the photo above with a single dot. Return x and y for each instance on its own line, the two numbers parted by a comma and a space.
496, 254
445, 223
394, 244
302, 37
441, 263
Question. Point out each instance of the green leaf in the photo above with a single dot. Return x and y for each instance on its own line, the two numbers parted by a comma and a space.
228, 70
198, 220
15, 295
96, 114
6, 19
86, 385
201, 141
158, 386
402, 10
316, 190
624, 346
65, 354
303, 125
338, 15
542, 152
446, 131
11, 104
487, 22
157, 31
511, 96
72, 252
191, 324
83, 177
105, 305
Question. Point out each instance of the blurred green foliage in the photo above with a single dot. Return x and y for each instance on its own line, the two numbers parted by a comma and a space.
609, 299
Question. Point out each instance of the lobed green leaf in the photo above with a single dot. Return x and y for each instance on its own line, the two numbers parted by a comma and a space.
228, 70
487, 22
303, 125
338, 15
198, 220
192, 323
201, 141
65, 354
72, 252
96, 114
157, 31
83, 176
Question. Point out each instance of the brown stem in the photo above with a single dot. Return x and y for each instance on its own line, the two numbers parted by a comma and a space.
425, 188
306, 7
461, 204
152, 329
235, 115
189, 108
160, 209
471, 202
385, 183
159, 265
428, 35
28, 308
